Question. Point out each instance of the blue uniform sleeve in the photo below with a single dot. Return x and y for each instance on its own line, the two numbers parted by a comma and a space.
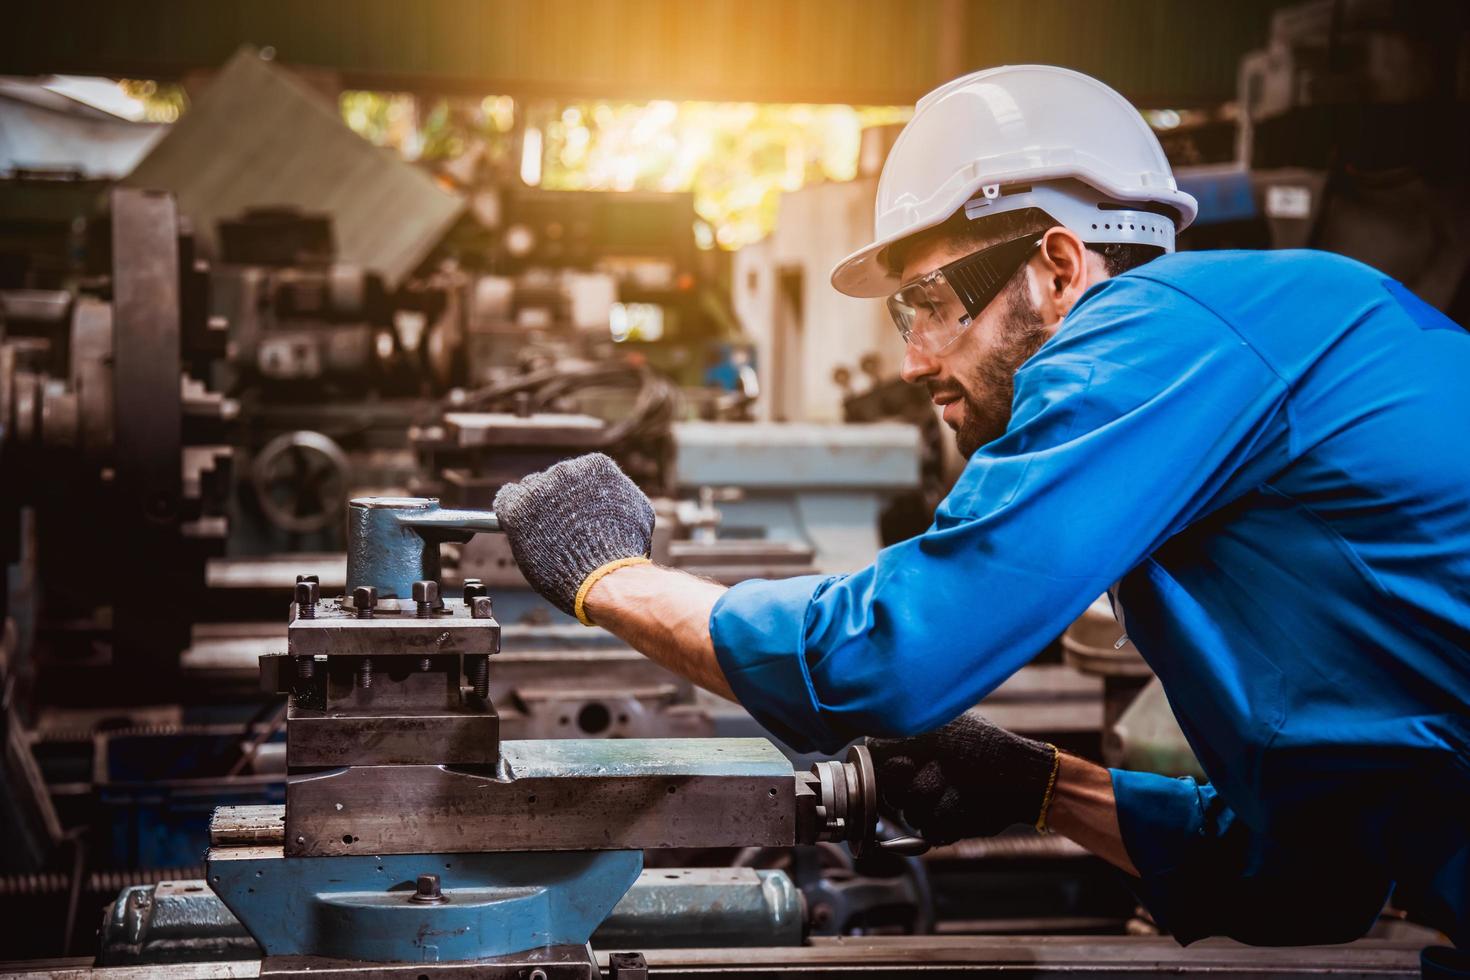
1125, 425
1204, 872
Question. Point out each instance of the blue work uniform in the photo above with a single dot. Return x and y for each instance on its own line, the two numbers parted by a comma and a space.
1266, 455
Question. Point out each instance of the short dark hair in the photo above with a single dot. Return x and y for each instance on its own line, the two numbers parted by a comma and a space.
974, 235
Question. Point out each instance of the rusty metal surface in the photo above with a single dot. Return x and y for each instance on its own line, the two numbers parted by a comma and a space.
572, 794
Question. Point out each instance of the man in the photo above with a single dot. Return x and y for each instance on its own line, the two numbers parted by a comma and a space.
1261, 456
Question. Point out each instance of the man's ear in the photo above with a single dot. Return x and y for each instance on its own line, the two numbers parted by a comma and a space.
1063, 274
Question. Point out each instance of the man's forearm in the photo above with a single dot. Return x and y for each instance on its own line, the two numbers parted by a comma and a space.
663, 614
1083, 809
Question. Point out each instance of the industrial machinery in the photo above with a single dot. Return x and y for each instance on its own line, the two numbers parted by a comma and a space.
112, 445
412, 833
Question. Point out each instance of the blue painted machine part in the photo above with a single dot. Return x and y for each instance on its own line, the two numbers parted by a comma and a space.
359, 907
667, 908
393, 542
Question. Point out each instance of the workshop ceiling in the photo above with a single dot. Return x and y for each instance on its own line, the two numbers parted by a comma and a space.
1158, 52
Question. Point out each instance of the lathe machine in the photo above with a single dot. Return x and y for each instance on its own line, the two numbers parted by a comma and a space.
413, 835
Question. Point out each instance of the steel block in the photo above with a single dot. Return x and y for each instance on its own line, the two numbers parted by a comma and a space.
570, 794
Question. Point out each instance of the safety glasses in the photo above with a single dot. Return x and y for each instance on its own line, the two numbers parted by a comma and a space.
934, 310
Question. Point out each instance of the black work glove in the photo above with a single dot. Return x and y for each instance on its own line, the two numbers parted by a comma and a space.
571, 520
967, 779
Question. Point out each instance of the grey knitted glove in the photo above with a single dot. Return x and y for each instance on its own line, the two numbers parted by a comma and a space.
967, 779
566, 522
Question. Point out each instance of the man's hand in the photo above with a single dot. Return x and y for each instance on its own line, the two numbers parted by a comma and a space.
571, 521
967, 779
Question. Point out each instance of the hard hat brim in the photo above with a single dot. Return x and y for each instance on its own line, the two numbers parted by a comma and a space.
864, 274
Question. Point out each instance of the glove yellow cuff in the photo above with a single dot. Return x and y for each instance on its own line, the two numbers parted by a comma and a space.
1051, 784
595, 576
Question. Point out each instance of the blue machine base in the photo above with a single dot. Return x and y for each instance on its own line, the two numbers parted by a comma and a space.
358, 907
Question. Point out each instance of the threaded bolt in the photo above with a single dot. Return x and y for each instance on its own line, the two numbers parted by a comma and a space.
426, 596
477, 666
305, 668
364, 598
306, 596
426, 664
365, 673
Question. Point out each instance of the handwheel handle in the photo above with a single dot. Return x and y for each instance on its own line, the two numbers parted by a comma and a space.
909, 846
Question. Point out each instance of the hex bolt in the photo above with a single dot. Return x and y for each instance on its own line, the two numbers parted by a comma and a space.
473, 587
477, 666
482, 607
305, 668
364, 598
365, 673
305, 600
427, 891
426, 596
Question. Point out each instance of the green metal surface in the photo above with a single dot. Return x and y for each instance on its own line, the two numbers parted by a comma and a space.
1159, 52
572, 757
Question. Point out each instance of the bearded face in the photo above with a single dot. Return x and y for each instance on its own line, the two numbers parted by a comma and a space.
986, 382
973, 379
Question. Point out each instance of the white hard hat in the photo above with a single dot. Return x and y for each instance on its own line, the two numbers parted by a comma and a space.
1016, 137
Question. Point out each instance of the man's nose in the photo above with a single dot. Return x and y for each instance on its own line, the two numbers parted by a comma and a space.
917, 365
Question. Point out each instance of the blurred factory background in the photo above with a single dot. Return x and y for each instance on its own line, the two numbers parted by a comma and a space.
426, 248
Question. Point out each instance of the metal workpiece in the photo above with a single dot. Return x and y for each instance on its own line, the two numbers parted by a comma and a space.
572, 794
384, 907
393, 542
